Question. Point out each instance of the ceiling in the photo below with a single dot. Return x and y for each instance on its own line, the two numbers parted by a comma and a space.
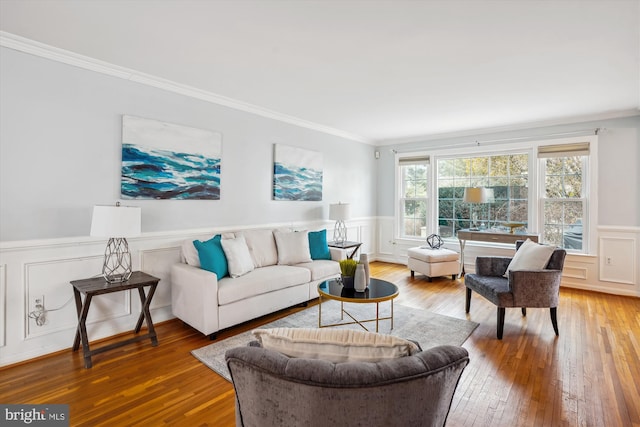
374, 71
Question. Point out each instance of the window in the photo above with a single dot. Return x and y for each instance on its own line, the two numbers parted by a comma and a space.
504, 176
563, 200
548, 185
413, 196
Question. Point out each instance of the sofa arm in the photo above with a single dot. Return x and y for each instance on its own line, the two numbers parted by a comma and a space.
194, 297
492, 265
338, 254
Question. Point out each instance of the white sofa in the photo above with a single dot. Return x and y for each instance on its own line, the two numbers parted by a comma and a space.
276, 282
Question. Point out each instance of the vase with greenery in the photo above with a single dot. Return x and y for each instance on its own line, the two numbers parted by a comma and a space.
347, 271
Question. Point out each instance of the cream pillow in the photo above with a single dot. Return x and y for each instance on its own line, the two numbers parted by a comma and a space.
530, 256
190, 253
335, 345
238, 257
262, 247
293, 247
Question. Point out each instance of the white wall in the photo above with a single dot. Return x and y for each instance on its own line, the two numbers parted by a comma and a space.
617, 232
60, 145
60, 154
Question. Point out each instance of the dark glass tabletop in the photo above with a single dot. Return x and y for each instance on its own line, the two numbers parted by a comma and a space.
378, 290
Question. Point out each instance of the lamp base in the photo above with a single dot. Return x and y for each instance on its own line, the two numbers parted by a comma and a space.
117, 261
340, 232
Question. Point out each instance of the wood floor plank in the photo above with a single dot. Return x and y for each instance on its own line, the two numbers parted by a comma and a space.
588, 376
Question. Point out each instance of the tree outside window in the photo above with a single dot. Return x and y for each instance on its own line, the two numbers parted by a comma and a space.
564, 201
506, 176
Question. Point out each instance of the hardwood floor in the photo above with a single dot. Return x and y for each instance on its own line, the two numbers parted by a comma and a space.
588, 376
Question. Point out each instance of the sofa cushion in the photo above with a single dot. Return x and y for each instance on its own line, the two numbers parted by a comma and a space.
212, 257
293, 247
429, 255
260, 281
318, 245
262, 247
335, 345
530, 256
190, 253
321, 269
238, 256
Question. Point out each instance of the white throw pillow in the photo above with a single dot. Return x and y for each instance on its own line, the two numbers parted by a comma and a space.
190, 253
262, 247
530, 256
293, 247
238, 257
335, 345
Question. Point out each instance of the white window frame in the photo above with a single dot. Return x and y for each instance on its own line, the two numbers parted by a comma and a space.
417, 157
589, 190
536, 182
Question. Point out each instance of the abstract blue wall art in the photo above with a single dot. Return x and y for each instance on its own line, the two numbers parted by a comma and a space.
168, 161
297, 174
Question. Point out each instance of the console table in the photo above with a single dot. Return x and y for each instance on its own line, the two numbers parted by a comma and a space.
98, 286
488, 236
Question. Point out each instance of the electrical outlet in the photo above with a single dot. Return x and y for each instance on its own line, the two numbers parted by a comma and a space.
37, 300
608, 260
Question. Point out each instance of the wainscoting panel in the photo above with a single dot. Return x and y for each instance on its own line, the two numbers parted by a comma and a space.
32, 269
51, 280
618, 259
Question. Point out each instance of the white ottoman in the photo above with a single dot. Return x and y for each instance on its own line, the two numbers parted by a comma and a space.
433, 262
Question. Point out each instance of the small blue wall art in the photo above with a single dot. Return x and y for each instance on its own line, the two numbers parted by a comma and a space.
297, 174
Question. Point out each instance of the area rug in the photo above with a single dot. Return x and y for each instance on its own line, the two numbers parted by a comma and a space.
428, 329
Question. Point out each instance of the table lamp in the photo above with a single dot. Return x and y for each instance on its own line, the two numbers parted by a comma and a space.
474, 195
339, 212
117, 223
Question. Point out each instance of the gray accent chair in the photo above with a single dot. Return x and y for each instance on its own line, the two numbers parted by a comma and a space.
276, 390
530, 288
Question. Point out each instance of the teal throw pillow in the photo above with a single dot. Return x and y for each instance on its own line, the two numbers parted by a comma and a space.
212, 256
318, 245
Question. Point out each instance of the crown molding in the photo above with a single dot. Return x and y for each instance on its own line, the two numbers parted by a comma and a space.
618, 114
42, 50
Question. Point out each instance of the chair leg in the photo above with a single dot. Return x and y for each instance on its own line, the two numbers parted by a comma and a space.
467, 305
412, 274
500, 322
554, 319
524, 311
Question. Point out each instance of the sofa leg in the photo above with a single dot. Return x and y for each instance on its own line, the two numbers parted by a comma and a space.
213, 336
453, 276
554, 319
412, 274
303, 304
500, 322
429, 279
524, 311
467, 304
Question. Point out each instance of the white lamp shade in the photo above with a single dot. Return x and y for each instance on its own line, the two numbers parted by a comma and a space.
339, 211
475, 195
115, 221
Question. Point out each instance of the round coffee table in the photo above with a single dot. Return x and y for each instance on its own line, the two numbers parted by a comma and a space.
378, 291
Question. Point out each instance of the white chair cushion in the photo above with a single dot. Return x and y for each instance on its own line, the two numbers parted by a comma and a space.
335, 345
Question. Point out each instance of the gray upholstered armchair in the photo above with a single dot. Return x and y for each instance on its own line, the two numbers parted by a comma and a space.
275, 390
525, 288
